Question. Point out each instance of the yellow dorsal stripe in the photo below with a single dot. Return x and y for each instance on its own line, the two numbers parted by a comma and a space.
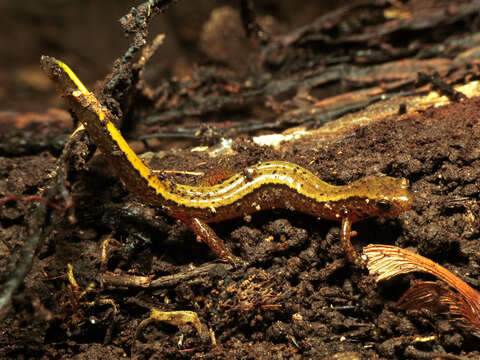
115, 134
73, 77
132, 158
232, 190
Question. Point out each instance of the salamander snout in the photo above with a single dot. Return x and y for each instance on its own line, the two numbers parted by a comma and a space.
394, 198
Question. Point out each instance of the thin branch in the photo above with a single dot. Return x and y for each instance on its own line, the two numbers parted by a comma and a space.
135, 22
250, 24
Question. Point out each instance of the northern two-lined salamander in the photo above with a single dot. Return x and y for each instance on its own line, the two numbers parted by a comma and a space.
268, 185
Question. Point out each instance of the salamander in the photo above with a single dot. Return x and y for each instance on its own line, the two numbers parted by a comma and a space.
267, 185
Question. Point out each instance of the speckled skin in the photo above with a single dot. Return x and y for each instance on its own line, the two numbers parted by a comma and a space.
279, 184
268, 185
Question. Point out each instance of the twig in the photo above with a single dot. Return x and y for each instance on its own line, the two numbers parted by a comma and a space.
27, 255
251, 26
171, 280
176, 318
135, 22
164, 281
441, 86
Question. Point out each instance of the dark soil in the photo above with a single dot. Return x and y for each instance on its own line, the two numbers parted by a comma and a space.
297, 299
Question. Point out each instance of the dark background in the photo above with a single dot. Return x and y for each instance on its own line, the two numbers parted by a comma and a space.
88, 37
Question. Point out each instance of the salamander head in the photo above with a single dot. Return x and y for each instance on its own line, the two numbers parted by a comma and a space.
382, 196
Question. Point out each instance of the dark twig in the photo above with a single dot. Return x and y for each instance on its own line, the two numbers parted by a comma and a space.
195, 274
441, 86
142, 14
135, 22
250, 24
27, 255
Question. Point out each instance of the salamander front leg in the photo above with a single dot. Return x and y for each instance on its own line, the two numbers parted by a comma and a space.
207, 235
345, 234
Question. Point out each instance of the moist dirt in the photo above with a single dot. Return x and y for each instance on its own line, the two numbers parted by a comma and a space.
298, 298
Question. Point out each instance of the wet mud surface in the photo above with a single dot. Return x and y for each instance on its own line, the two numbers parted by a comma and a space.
298, 298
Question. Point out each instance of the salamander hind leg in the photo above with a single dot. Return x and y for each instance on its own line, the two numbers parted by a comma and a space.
207, 235
345, 237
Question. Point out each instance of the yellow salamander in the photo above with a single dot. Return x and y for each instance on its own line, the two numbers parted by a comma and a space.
268, 185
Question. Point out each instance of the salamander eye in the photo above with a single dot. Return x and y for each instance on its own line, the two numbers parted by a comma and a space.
383, 205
